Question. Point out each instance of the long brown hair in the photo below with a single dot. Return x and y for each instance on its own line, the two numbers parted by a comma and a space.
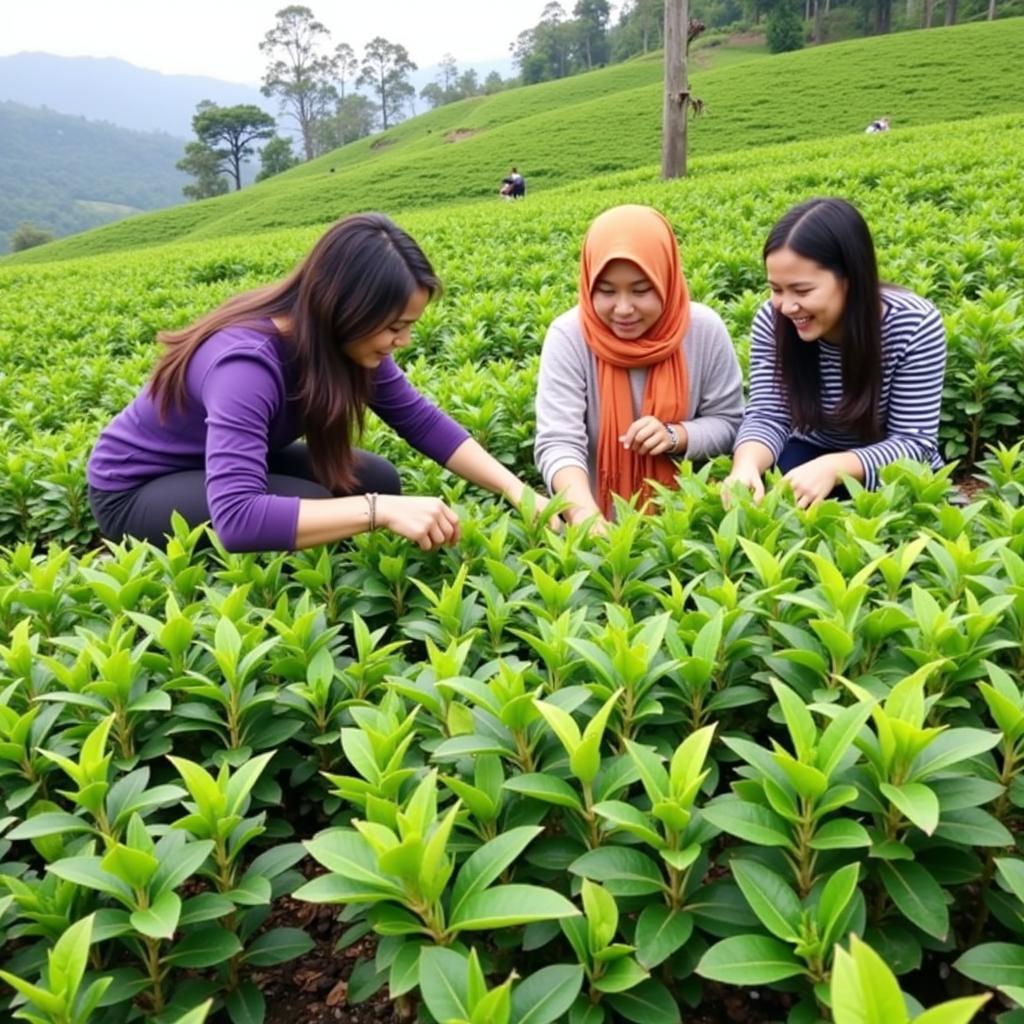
833, 234
359, 276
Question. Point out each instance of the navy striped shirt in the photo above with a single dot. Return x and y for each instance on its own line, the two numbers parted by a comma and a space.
913, 365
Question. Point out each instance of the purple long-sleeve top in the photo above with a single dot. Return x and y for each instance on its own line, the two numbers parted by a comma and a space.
239, 407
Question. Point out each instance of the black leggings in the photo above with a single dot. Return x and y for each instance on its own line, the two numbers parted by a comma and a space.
145, 511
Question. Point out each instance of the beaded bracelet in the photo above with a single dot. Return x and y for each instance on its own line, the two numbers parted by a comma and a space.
371, 500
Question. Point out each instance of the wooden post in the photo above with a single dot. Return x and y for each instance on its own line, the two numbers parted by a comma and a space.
677, 90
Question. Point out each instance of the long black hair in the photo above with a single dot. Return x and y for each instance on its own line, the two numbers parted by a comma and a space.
359, 276
833, 234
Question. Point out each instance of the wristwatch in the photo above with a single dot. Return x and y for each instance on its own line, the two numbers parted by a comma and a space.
673, 436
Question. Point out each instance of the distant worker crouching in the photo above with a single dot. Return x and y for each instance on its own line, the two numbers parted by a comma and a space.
513, 186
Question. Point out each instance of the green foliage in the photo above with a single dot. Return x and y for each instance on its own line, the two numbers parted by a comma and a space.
547, 776
921, 78
864, 991
299, 72
26, 236
385, 70
948, 232
230, 132
204, 164
506, 796
783, 28
276, 156
71, 174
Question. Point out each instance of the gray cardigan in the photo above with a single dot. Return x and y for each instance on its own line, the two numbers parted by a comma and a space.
568, 414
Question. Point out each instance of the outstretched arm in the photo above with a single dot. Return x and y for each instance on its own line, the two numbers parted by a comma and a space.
474, 463
426, 521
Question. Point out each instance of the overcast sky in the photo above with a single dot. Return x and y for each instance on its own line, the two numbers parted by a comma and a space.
220, 38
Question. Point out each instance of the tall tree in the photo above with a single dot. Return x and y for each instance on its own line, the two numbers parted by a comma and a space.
950, 12
434, 95
467, 84
639, 28
299, 74
784, 30
385, 69
448, 85
544, 52
527, 59
353, 118
448, 72
650, 19
275, 157
230, 133
883, 16
207, 168
493, 83
346, 67
356, 117
555, 37
592, 24
677, 90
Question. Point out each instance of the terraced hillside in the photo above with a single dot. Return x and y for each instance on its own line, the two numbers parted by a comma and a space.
582, 128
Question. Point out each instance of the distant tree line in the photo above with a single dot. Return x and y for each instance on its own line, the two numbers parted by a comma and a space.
315, 84
566, 41
451, 84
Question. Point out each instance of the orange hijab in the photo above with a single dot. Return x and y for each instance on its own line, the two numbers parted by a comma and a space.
644, 237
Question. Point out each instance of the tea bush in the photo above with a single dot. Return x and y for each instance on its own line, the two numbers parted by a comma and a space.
709, 746
544, 777
80, 334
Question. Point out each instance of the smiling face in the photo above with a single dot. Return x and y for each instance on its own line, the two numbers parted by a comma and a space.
371, 350
625, 300
808, 294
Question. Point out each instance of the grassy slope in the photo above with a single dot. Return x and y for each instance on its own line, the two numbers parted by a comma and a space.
606, 121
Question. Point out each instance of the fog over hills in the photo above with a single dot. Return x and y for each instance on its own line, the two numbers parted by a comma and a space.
89, 140
107, 89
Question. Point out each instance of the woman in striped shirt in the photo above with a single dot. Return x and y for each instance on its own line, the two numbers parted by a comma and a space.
845, 373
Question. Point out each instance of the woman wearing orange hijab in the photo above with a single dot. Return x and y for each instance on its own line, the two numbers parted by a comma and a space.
635, 376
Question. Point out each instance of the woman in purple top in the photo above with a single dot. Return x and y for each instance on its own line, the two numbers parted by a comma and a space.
213, 435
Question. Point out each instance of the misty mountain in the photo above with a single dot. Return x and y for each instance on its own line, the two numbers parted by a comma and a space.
67, 173
106, 89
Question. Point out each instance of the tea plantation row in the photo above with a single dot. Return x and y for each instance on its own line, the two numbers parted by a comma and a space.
705, 748
947, 213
